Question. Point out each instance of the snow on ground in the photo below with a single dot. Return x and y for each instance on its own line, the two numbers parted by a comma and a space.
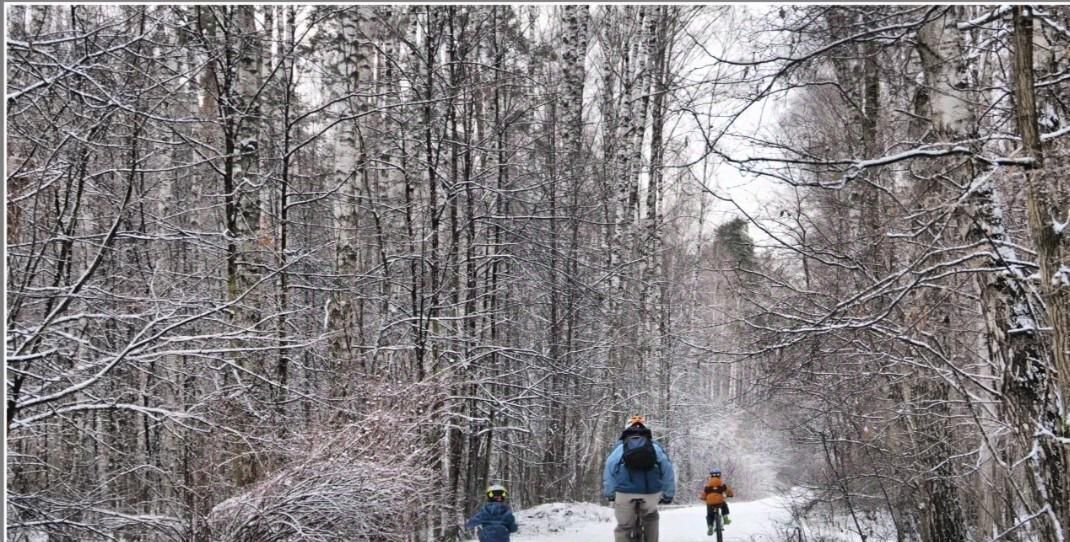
755, 521
562, 517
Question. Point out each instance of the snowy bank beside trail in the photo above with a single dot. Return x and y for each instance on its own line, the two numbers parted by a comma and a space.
816, 521
562, 517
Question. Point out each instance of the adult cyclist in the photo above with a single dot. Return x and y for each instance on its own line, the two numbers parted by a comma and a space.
637, 469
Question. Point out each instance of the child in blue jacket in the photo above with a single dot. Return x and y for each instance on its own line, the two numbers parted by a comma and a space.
495, 519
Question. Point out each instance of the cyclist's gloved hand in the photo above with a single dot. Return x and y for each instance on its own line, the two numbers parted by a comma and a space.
610, 498
665, 500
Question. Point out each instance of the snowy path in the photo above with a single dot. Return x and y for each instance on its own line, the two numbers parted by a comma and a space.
754, 521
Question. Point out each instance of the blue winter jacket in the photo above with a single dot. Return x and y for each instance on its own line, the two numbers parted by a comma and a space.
616, 477
496, 521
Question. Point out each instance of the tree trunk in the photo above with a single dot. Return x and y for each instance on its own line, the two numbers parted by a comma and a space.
1048, 206
943, 62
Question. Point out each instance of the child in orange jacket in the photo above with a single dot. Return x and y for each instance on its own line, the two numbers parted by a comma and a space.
714, 493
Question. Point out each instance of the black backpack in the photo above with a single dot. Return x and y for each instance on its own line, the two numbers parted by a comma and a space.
716, 489
639, 453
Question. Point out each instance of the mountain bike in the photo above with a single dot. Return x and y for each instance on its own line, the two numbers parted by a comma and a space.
638, 533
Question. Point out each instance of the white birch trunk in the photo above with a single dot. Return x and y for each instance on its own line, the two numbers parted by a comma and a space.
354, 73
942, 52
248, 182
941, 47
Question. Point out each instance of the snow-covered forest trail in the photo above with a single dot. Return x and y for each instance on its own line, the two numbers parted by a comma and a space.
279, 267
751, 521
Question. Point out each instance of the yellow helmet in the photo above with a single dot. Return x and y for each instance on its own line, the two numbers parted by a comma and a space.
495, 491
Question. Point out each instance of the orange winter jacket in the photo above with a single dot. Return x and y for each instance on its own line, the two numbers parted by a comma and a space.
715, 491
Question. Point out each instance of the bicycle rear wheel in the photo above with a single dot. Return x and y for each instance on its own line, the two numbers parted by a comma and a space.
638, 533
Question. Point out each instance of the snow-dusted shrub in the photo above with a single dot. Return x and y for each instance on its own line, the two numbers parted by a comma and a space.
338, 499
354, 486
819, 519
36, 519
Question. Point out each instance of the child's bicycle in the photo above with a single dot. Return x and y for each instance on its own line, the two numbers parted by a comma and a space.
718, 525
638, 533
